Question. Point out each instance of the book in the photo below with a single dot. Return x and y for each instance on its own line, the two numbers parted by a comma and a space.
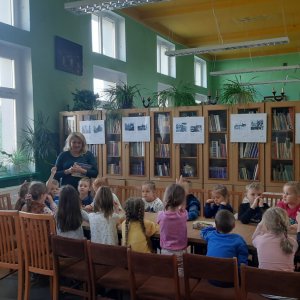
202, 224
83, 166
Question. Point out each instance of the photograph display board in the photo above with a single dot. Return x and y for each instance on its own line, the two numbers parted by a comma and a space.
297, 133
93, 131
248, 128
136, 129
188, 130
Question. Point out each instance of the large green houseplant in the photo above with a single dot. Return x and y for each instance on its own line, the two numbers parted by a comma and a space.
237, 91
182, 94
85, 100
17, 160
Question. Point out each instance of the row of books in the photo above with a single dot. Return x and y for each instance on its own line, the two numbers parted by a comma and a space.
69, 125
214, 123
248, 150
218, 172
283, 121
282, 150
114, 168
113, 126
218, 149
114, 148
137, 169
162, 124
162, 149
93, 149
137, 149
163, 169
283, 173
247, 174
188, 170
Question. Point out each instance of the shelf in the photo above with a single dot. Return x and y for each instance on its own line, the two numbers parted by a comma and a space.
137, 156
162, 132
162, 157
252, 180
217, 132
113, 156
218, 158
113, 133
282, 130
290, 159
250, 158
189, 157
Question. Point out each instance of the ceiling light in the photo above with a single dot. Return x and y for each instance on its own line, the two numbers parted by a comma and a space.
234, 46
93, 6
271, 81
242, 71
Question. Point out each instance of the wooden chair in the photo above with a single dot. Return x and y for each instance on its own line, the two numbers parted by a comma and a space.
5, 202
109, 268
260, 281
129, 191
272, 199
210, 268
115, 189
164, 282
202, 196
77, 249
11, 253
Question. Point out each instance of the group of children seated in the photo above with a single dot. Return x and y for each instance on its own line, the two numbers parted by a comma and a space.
274, 246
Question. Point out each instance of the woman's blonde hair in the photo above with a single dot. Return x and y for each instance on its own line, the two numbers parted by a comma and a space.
79, 136
277, 221
295, 185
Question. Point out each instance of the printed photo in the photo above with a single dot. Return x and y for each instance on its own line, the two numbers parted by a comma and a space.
129, 126
98, 129
181, 127
196, 128
240, 126
86, 129
257, 124
142, 127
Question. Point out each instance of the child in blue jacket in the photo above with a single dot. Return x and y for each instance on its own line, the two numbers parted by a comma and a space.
192, 203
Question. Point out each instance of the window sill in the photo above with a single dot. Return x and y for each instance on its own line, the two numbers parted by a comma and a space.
11, 180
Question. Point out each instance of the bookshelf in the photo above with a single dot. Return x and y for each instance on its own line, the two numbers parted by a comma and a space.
282, 159
136, 153
216, 154
188, 155
248, 163
162, 147
68, 124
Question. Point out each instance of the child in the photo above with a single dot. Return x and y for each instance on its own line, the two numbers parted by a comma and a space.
275, 249
152, 203
172, 221
69, 215
136, 231
254, 210
220, 197
35, 200
223, 244
298, 229
22, 193
104, 221
84, 187
53, 185
291, 200
192, 203
99, 182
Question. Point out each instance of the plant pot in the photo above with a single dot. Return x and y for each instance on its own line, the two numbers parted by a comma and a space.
14, 170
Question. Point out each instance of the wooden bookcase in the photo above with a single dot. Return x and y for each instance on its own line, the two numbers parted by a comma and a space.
247, 159
282, 154
216, 148
188, 157
68, 124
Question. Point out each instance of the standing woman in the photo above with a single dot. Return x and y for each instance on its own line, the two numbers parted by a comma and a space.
75, 151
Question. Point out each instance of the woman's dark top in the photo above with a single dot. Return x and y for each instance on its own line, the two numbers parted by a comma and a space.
65, 160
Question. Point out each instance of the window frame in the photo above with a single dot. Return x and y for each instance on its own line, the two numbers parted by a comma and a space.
160, 42
203, 68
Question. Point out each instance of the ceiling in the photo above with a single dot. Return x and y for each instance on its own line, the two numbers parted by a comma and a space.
193, 23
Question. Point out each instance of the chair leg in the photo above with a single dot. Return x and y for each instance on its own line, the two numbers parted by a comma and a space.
27, 286
55, 288
20, 284
84, 288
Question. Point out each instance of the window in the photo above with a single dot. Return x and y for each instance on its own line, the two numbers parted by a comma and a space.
200, 98
15, 13
108, 35
200, 72
165, 65
106, 78
164, 87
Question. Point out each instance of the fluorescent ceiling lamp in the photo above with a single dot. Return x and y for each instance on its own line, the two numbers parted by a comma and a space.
226, 47
271, 81
242, 71
93, 6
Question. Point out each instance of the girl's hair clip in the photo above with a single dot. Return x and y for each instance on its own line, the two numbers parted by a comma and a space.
286, 236
28, 197
24, 182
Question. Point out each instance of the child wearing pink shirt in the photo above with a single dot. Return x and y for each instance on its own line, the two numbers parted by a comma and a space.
172, 221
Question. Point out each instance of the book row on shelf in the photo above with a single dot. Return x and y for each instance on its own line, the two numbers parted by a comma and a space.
282, 173
163, 169
93, 149
114, 168
137, 149
188, 170
218, 172
137, 169
246, 174
214, 123
248, 150
162, 149
283, 120
218, 149
114, 148
163, 123
113, 126
282, 150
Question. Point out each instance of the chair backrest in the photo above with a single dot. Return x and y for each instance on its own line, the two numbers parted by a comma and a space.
152, 265
10, 256
261, 281
272, 199
5, 202
159, 193
36, 229
108, 255
115, 189
202, 196
129, 191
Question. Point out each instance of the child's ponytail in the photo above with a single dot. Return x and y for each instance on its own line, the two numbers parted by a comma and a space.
174, 196
286, 245
36, 189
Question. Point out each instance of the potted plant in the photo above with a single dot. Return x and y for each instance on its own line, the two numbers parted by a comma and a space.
15, 160
236, 91
85, 100
181, 95
3, 168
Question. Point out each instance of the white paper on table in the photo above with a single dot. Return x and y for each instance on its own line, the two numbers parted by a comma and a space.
136, 129
93, 131
188, 130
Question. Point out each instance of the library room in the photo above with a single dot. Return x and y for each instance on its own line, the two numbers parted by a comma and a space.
117, 116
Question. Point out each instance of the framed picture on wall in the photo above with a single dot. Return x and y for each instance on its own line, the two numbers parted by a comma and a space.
68, 56
271, 98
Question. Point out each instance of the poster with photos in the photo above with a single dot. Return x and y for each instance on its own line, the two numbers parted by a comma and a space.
297, 132
188, 130
248, 128
93, 131
136, 129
